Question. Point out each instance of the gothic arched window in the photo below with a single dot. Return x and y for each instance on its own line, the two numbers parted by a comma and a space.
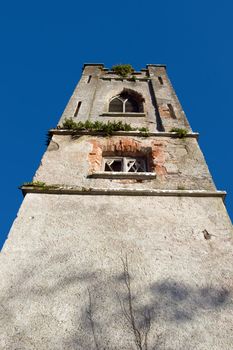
116, 105
128, 101
131, 106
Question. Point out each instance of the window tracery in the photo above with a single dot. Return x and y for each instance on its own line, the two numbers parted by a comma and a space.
128, 101
125, 164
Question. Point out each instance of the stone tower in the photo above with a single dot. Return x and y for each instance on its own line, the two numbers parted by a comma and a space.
122, 240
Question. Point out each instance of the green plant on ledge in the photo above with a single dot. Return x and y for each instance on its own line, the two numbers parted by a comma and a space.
69, 124
107, 128
144, 131
133, 78
39, 184
42, 186
34, 184
181, 133
123, 69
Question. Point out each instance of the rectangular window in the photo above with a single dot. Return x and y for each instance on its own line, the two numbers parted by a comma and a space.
160, 80
125, 164
113, 164
171, 111
77, 109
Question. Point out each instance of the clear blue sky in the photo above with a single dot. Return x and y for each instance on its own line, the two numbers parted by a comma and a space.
45, 43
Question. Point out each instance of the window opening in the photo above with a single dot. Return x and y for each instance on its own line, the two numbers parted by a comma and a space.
128, 101
125, 164
89, 79
113, 165
131, 106
127, 105
160, 80
116, 105
171, 110
135, 165
77, 109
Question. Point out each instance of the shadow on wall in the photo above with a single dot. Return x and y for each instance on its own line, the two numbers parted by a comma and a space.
159, 123
172, 302
108, 313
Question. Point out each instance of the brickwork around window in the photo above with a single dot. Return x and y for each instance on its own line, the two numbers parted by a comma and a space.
128, 147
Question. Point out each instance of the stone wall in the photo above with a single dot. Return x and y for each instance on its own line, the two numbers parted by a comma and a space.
178, 163
63, 282
103, 85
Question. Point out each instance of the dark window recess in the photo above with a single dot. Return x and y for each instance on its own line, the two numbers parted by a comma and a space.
77, 109
113, 165
125, 164
89, 79
131, 106
128, 101
116, 105
160, 80
123, 105
135, 165
171, 110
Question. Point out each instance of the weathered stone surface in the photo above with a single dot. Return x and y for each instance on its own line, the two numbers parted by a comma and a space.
96, 94
63, 247
177, 162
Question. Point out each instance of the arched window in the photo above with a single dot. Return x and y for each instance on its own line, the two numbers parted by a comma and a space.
128, 101
131, 106
116, 105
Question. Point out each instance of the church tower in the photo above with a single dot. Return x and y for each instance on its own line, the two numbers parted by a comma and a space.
122, 240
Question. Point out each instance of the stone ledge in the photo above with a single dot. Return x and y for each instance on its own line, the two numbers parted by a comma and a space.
109, 71
117, 114
156, 65
126, 79
93, 64
72, 190
122, 175
135, 72
121, 133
